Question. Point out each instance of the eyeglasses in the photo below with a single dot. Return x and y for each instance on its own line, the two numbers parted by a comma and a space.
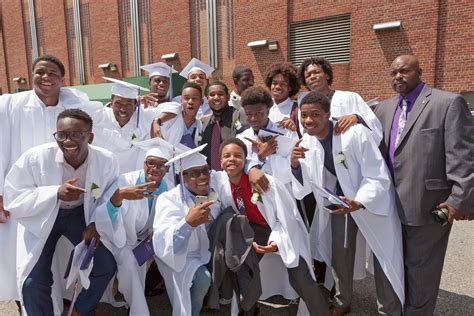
197, 173
159, 166
74, 136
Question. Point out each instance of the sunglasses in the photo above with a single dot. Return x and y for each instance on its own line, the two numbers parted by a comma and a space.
197, 173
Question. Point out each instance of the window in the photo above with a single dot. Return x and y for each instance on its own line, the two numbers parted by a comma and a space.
328, 37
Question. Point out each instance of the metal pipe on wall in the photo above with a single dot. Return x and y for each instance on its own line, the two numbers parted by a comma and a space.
211, 18
34, 35
135, 36
78, 34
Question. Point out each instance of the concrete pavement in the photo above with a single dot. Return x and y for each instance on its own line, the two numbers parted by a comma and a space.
456, 295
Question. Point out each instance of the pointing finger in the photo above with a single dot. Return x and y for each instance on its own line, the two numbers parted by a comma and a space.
76, 189
251, 140
72, 181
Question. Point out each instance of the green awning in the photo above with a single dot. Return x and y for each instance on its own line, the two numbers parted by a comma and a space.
101, 91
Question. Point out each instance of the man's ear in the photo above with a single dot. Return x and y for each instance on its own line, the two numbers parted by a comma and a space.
420, 71
91, 138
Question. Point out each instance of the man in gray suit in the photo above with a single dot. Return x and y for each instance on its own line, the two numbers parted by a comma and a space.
428, 144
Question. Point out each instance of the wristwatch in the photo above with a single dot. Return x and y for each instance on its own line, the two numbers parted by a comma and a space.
158, 121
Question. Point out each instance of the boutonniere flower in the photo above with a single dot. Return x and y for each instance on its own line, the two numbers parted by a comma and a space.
134, 139
237, 124
96, 192
341, 159
256, 197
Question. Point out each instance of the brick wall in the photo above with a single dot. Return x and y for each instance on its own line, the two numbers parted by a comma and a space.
14, 40
440, 33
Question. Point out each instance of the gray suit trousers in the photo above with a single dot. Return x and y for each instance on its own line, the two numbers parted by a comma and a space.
300, 279
424, 250
343, 269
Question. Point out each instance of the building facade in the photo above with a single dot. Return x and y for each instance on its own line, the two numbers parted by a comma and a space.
361, 37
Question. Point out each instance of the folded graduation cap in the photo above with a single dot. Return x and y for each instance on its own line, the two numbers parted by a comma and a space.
196, 64
80, 264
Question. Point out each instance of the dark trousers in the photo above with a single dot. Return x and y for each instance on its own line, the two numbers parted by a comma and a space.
424, 249
300, 278
343, 269
36, 289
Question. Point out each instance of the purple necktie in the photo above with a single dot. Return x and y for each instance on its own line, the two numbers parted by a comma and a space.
401, 121
215, 145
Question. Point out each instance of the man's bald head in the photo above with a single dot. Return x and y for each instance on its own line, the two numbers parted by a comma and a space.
406, 73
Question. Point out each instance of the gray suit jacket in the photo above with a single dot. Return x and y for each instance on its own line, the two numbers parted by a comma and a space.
434, 160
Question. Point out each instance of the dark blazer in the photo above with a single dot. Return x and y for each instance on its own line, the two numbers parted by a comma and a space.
229, 128
435, 157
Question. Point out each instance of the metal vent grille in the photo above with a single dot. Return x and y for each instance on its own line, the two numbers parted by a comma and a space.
328, 37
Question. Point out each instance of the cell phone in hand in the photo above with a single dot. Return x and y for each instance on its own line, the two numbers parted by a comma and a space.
201, 199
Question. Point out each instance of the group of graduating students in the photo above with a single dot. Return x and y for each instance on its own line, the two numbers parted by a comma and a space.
211, 183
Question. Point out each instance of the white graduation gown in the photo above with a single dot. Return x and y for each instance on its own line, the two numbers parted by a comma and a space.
26, 122
278, 164
281, 111
366, 180
348, 102
122, 234
31, 189
119, 140
288, 232
172, 131
178, 268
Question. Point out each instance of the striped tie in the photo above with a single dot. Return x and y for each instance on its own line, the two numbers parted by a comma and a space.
401, 121
240, 201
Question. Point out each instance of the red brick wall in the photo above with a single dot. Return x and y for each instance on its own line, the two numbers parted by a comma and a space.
171, 31
53, 30
455, 47
439, 33
258, 20
15, 50
104, 24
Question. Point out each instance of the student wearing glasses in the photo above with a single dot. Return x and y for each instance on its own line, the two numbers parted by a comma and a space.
28, 119
127, 217
52, 191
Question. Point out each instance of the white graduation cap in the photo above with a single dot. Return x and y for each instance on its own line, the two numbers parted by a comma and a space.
158, 69
196, 64
189, 159
158, 147
125, 89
